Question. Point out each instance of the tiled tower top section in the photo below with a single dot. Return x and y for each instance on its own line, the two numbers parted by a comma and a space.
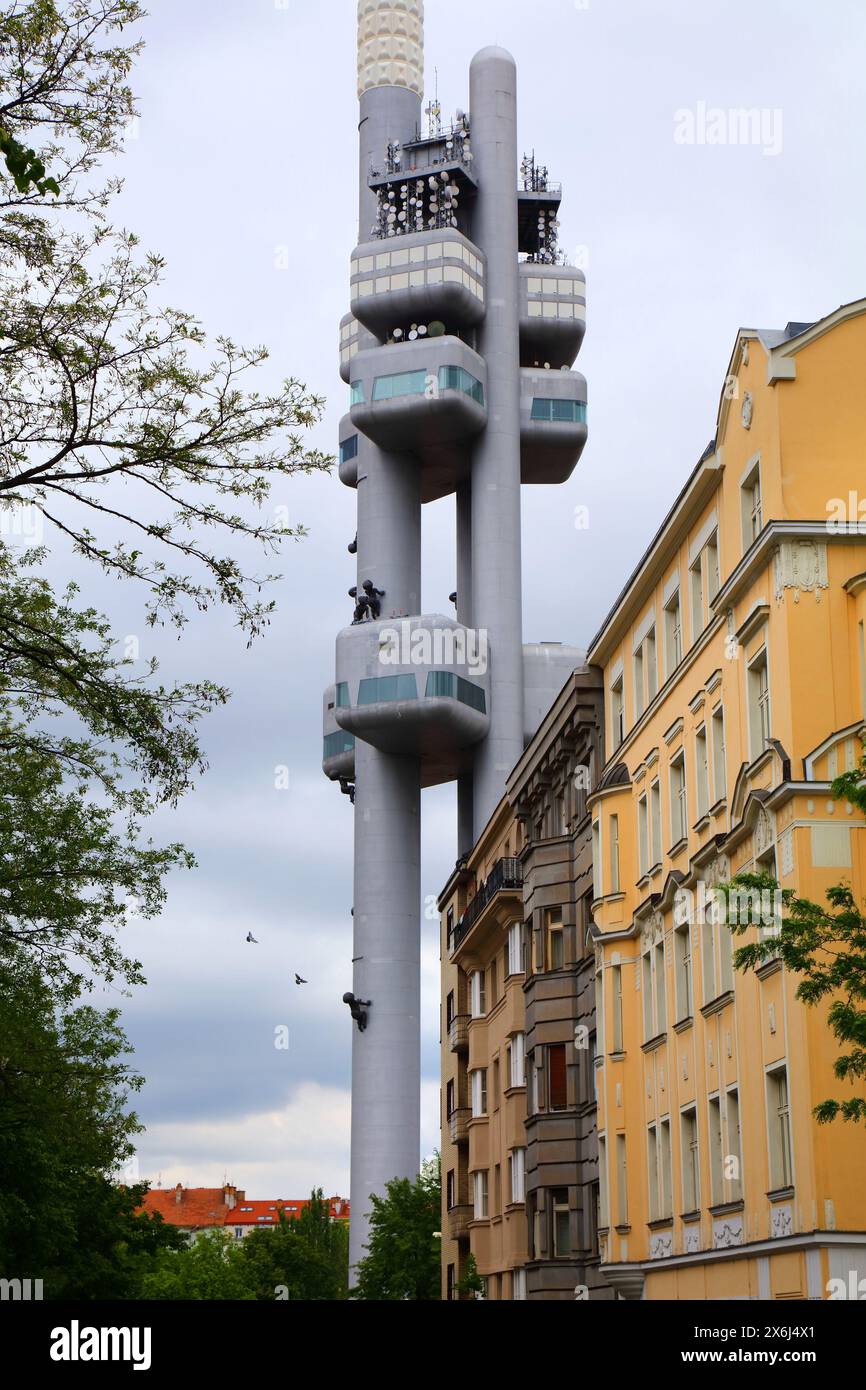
391, 45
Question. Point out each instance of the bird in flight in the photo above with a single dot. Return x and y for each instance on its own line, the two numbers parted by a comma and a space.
299, 981
251, 940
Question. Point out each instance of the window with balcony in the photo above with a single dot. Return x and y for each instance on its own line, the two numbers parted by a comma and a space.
388, 388
557, 1077
779, 1125
387, 690
758, 677
564, 412
445, 685
457, 379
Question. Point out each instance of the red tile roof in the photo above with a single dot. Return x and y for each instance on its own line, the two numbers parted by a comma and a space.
202, 1207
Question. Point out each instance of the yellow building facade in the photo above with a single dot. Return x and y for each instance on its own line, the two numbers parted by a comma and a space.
735, 691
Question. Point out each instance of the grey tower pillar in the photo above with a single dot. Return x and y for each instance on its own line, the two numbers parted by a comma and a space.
496, 557
386, 1065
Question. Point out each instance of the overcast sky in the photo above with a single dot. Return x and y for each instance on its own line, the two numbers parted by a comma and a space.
247, 145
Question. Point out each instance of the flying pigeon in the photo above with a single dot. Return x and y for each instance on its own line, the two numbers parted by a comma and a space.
251, 940
299, 981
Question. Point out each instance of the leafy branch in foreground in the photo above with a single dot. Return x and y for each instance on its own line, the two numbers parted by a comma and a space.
826, 946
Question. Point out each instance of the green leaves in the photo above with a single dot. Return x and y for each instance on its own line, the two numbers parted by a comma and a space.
25, 167
403, 1262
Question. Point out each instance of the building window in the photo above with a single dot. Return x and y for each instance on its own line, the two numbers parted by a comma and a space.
735, 1147
720, 756
717, 1152
534, 1091
621, 1182
477, 994
603, 1186
759, 705
450, 1285
779, 1121
557, 1077
713, 569
653, 984
652, 665
679, 801
349, 449
445, 685
643, 836
492, 984
673, 634
518, 1060
515, 949
659, 1171
862, 629
555, 942
479, 1195
518, 1286
478, 1084
617, 711
449, 1010
691, 1161
456, 379
449, 1100
564, 412
356, 393
451, 1190
496, 1083
683, 968
387, 690
614, 855
596, 860
616, 985
517, 1175
639, 696
561, 1223
752, 506
387, 388
702, 772
696, 588
655, 825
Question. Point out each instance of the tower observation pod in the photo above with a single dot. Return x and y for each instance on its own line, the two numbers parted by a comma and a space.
458, 348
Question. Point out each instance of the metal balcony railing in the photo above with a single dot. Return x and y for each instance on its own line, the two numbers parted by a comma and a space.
459, 1033
507, 876
459, 1125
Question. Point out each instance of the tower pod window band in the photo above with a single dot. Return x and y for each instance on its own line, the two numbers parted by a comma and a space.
387, 689
456, 379
386, 388
570, 412
446, 685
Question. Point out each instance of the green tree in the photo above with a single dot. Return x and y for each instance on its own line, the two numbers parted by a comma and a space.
826, 946
211, 1268
403, 1260
65, 1129
307, 1255
471, 1285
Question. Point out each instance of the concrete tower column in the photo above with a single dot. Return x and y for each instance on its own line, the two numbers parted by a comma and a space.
496, 555
386, 1064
